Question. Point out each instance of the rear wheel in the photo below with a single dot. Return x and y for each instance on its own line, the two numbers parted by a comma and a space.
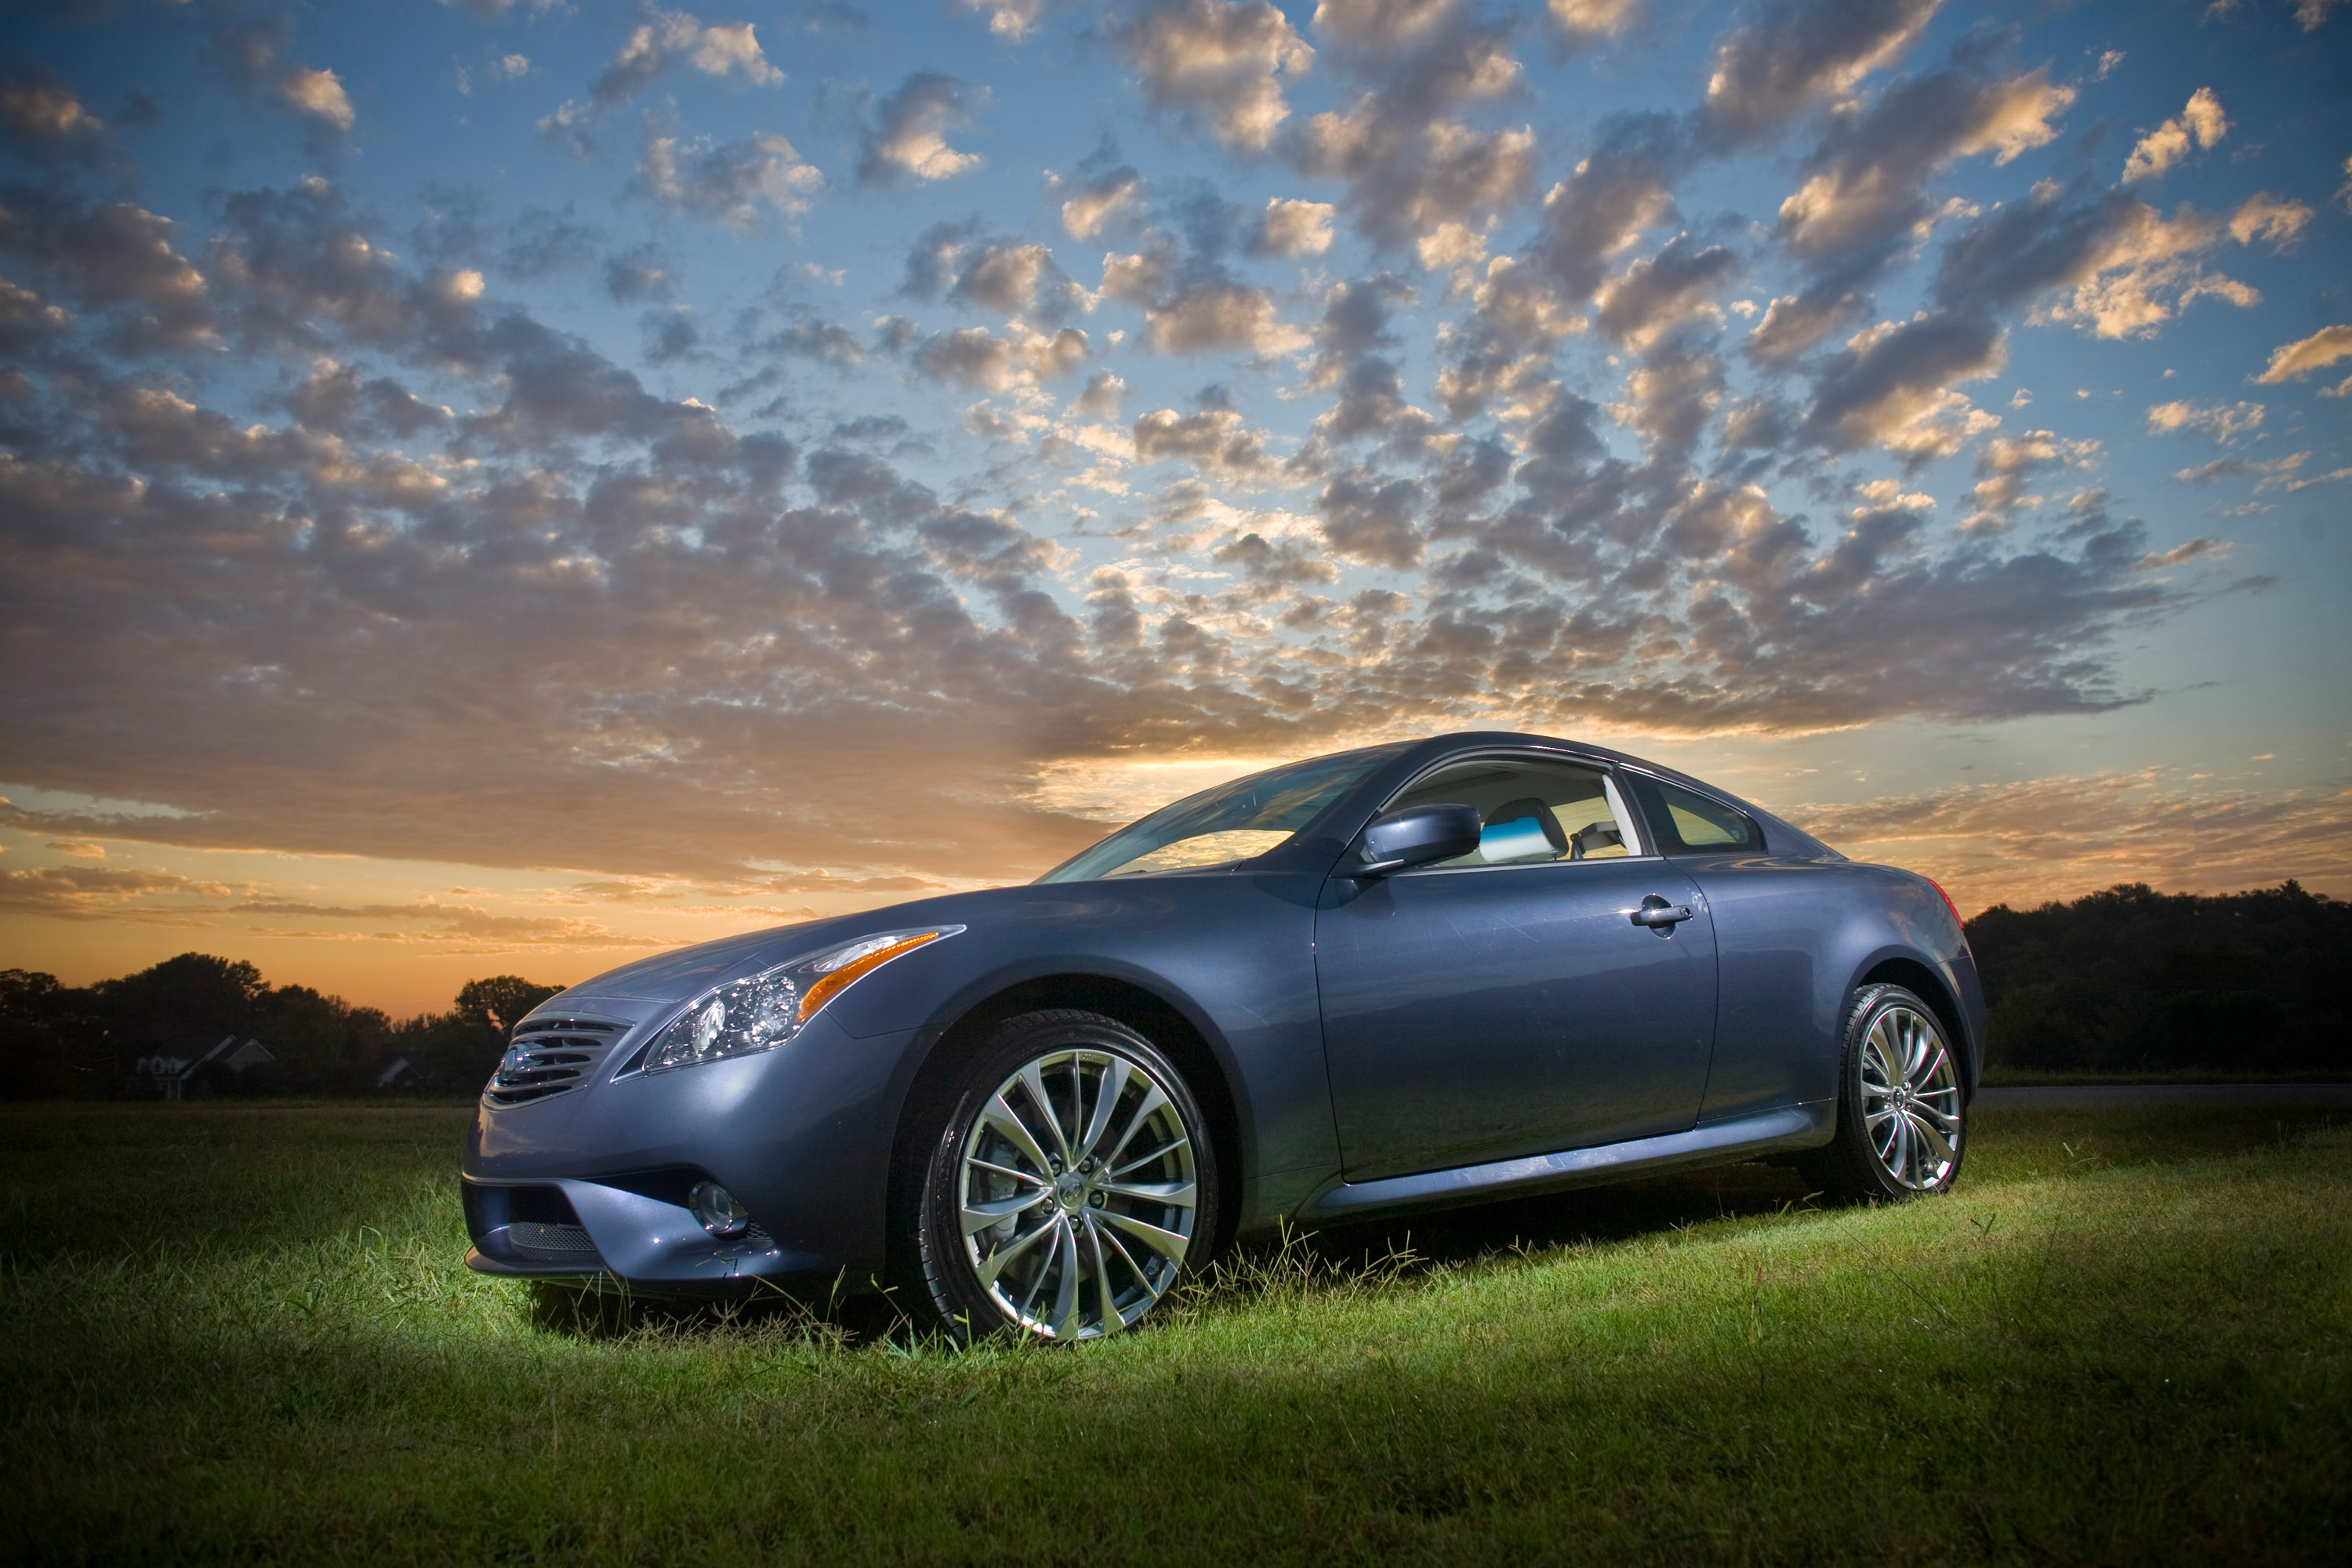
1066, 1181
1902, 1116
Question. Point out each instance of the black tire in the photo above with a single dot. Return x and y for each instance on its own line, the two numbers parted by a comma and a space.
1074, 1237
1893, 1139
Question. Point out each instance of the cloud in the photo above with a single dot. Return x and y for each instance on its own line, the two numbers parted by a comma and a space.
2278, 473
1623, 187
2118, 267
1412, 166
1100, 201
1669, 398
36, 108
1208, 317
1795, 322
1868, 181
1101, 398
1890, 386
1656, 294
112, 257
1800, 53
1350, 341
1582, 21
2005, 464
1010, 277
665, 39
977, 358
810, 338
2300, 358
1221, 63
908, 136
319, 93
1372, 521
1006, 277
1011, 19
2223, 421
2059, 836
727, 181
2202, 122
1292, 228
1214, 440
92, 892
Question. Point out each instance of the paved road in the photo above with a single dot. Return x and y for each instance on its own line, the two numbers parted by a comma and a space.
2085, 1096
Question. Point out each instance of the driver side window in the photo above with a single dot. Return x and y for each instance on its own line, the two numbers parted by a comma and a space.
1533, 810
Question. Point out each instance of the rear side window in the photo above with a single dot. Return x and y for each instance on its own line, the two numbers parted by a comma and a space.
1690, 821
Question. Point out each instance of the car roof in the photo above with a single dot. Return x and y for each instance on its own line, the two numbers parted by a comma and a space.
1348, 815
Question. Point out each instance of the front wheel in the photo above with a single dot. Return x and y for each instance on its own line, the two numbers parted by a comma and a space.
1902, 1115
1067, 1182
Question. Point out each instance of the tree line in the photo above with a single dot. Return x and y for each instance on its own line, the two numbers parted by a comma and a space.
2133, 980
2121, 981
87, 1041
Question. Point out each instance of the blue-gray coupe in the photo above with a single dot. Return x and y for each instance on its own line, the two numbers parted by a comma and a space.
1426, 974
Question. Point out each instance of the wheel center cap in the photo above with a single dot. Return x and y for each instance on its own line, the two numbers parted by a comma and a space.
1070, 1190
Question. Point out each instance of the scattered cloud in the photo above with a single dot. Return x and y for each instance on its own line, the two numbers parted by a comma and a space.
2298, 359
319, 93
1222, 63
2061, 837
1208, 317
907, 138
1103, 199
1798, 54
2201, 123
728, 182
663, 40
1291, 227
2223, 421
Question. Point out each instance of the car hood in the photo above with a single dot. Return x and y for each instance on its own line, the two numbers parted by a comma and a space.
683, 973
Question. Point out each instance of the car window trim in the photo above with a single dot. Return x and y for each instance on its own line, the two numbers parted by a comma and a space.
1621, 799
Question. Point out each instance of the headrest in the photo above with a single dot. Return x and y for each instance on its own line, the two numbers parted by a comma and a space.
1529, 805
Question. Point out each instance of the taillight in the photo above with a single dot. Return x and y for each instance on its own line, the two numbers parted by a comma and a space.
1948, 904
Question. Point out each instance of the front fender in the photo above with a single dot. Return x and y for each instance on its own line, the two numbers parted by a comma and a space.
1231, 954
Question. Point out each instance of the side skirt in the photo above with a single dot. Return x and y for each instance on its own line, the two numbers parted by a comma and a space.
1790, 1127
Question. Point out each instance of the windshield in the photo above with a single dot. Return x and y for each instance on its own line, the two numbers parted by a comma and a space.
1232, 821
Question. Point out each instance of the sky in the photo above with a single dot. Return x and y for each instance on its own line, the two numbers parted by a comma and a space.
500, 485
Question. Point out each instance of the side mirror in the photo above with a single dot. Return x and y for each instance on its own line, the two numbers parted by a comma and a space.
1415, 836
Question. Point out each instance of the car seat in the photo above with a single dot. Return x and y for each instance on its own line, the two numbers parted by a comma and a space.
1529, 805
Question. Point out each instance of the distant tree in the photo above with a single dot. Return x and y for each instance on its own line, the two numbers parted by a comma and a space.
502, 1001
38, 1020
462, 1048
192, 995
2130, 978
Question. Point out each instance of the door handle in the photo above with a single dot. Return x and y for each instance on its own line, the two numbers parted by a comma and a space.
1659, 915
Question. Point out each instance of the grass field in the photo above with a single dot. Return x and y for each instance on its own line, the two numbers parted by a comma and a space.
248, 1334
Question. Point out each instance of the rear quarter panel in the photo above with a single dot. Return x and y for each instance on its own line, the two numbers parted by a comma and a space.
1794, 938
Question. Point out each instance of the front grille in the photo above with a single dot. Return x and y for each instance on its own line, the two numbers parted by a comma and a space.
550, 1238
551, 1055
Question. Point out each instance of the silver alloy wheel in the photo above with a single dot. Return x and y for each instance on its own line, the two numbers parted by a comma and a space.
1911, 1098
1076, 1194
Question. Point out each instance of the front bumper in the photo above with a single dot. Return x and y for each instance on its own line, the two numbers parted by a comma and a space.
594, 1181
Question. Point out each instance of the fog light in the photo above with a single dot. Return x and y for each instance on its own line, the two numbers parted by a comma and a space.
716, 1207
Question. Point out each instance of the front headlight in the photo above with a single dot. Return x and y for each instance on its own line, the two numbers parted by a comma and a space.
760, 1012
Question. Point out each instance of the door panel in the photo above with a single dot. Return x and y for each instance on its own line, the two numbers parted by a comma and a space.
1484, 1014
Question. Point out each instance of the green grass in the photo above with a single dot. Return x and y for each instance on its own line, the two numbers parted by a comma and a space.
2123, 1339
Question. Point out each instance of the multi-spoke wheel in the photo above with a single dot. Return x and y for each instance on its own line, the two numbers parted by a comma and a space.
1902, 1114
1069, 1183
